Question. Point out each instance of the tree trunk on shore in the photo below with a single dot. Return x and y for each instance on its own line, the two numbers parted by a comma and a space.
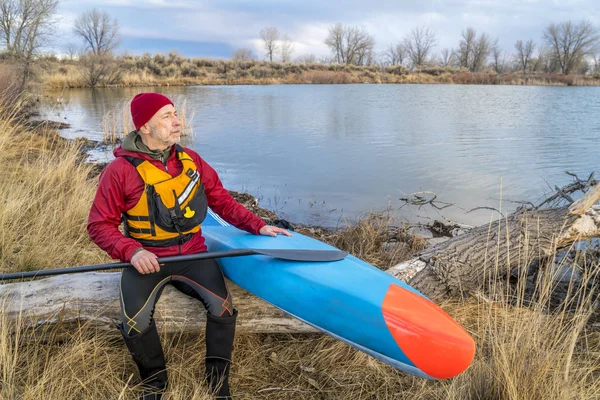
94, 298
466, 262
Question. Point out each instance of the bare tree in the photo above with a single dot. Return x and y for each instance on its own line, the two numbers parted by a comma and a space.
570, 43
25, 26
481, 53
99, 33
364, 45
100, 69
465, 47
596, 59
546, 62
498, 61
335, 41
473, 52
270, 36
71, 50
524, 53
395, 55
243, 55
307, 58
286, 48
419, 43
537, 63
447, 57
350, 44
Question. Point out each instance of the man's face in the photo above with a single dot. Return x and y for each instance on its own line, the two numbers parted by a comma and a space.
164, 128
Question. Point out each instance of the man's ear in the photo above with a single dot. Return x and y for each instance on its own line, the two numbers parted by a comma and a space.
145, 129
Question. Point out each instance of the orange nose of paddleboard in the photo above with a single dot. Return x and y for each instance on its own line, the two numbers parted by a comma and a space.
428, 336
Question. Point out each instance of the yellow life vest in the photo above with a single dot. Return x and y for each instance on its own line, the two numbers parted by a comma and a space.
170, 209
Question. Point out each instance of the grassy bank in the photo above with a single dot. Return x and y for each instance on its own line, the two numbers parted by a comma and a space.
148, 70
522, 352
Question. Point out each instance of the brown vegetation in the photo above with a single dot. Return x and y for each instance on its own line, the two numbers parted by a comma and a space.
160, 70
523, 351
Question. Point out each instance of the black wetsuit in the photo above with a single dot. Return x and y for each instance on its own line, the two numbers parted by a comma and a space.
201, 279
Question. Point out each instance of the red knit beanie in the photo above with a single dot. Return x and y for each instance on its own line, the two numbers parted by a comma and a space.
145, 105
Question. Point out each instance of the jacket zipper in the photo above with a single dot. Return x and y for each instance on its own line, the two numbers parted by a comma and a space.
165, 163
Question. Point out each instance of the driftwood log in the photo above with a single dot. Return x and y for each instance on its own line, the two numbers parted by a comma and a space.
464, 263
461, 264
94, 298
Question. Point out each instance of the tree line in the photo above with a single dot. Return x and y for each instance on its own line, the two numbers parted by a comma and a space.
565, 47
26, 27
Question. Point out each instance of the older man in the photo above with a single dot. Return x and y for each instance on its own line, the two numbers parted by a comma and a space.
160, 192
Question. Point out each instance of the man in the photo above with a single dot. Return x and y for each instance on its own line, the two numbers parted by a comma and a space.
160, 192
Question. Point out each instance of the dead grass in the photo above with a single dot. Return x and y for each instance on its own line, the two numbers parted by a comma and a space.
524, 351
374, 238
176, 70
46, 195
9, 87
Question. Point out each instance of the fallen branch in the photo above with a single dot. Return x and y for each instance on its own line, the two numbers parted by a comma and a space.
464, 263
94, 298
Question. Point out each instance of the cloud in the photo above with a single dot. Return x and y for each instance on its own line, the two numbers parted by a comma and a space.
237, 23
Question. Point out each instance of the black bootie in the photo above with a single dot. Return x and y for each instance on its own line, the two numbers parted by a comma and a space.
147, 352
220, 332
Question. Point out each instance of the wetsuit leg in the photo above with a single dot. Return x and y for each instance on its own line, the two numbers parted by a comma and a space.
203, 280
138, 295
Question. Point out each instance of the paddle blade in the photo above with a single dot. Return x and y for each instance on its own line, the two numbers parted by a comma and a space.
304, 255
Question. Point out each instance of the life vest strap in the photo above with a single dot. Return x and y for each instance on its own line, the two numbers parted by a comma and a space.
166, 242
139, 230
139, 218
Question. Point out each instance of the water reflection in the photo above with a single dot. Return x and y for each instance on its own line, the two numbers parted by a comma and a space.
311, 151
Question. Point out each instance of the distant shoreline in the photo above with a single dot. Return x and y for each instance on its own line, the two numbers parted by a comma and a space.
174, 70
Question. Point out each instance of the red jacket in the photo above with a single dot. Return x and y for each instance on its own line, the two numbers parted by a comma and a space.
121, 187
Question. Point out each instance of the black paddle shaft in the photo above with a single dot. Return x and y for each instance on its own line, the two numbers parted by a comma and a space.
290, 255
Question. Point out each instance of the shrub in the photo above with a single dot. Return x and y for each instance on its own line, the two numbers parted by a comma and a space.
244, 64
397, 70
176, 59
204, 62
160, 59
144, 62
293, 69
433, 70
190, 71
260, 72
171, 70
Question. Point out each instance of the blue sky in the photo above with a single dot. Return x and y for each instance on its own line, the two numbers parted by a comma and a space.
216, 28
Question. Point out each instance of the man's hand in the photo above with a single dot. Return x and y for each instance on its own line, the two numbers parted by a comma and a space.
269, 230
145, 262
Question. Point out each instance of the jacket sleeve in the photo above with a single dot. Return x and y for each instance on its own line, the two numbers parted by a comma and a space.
223, 204
105, 215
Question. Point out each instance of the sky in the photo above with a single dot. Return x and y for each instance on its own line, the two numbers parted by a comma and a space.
217, 28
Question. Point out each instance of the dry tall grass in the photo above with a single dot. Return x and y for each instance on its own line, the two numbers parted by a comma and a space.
9, 87
174, 69
523, 352
46, 195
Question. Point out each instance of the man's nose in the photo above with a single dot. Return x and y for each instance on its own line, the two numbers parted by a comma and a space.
176, 121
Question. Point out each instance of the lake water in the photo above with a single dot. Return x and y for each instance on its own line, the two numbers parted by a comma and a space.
318, 154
